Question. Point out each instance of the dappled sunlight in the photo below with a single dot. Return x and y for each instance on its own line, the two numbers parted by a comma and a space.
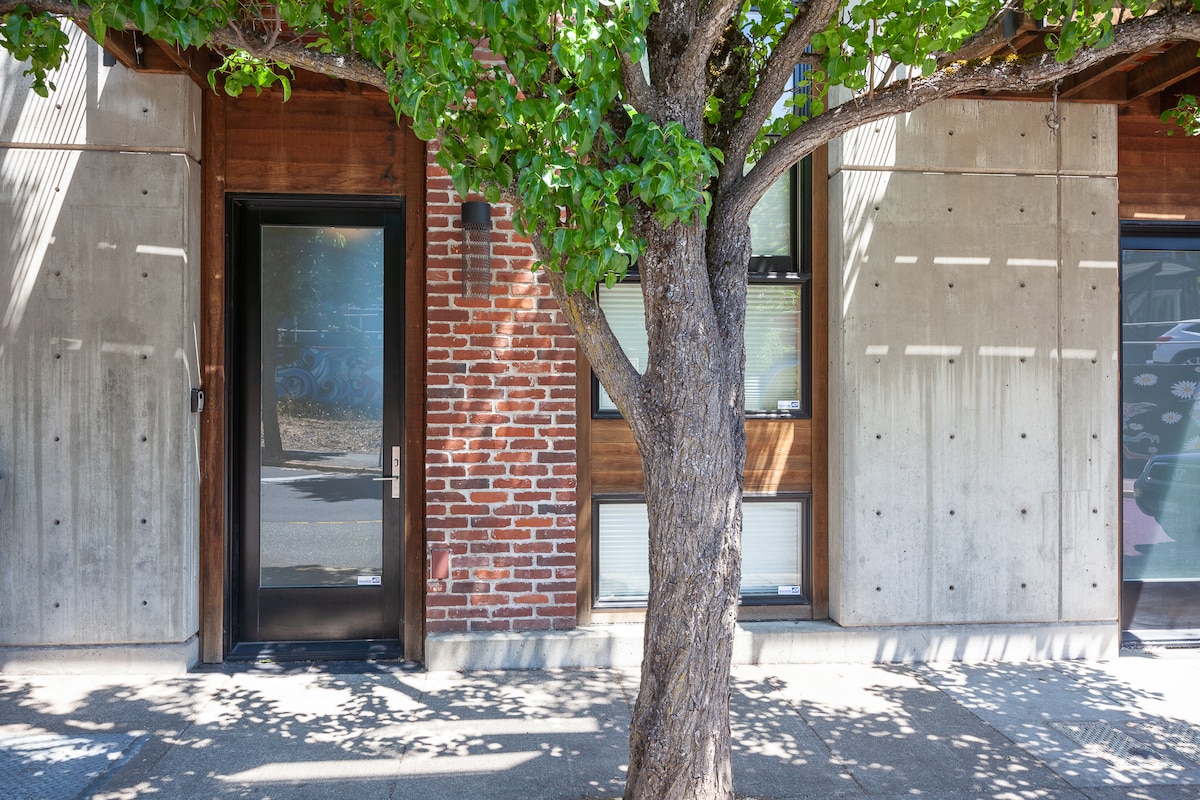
1000, 731
314, 725
881, 730
36, 182
1087, 724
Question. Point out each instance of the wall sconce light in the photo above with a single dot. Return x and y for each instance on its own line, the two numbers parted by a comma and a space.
476, 249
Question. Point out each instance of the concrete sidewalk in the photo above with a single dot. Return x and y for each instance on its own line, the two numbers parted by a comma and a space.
1128, 728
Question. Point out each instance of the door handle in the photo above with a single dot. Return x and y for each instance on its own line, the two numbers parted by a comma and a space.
395, 476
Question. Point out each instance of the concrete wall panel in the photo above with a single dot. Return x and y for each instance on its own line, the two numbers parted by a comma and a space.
99, 106
1089, 139
948, 138
1091, 453
98, 353
987, 136
949, 449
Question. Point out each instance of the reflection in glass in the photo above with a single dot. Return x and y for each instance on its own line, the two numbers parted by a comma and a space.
1160, 419
771, 220
321, 409
773, 343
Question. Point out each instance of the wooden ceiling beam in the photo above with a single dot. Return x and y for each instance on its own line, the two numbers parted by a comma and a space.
192, 62
126, 47
1171, 67
133, 50
1084, 84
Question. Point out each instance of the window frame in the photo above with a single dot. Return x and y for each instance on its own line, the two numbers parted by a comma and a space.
770, 271
805, 598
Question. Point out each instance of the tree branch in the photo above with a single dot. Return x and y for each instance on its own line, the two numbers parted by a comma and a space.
336, 65
597, 340
294, 54
714, 16
811, 18
986, 41
1011, 73
59, 8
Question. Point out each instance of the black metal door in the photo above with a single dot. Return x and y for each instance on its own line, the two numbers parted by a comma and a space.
316, 305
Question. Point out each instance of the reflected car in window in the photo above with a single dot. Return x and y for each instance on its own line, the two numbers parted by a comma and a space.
1169, 490
1180, 345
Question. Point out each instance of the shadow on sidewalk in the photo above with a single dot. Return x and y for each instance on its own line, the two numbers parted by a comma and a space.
362, 731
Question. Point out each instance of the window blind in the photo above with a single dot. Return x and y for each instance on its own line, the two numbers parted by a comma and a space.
772, 342
772, 550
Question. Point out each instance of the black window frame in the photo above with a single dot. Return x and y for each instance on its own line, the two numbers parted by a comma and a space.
767, 270
805, 499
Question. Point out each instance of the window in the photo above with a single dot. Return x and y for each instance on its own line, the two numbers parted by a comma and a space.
777, 308
774, 540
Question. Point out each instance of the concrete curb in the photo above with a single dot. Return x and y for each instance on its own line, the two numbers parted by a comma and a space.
797, 642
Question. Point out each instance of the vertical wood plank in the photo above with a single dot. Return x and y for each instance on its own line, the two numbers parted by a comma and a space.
413, 546
214, 633
819, 429
583, 489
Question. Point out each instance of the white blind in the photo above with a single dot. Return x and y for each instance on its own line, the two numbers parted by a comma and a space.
772, 547
772, 341
622, 556
772, 550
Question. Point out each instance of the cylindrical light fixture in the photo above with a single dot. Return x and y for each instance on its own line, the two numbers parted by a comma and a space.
476, 249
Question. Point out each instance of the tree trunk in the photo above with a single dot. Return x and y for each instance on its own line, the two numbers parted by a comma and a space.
692, 441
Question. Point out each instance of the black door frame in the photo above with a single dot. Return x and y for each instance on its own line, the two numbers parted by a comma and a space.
344, 631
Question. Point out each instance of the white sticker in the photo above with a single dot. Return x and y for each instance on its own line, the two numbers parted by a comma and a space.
370, 580
787, 405
789, 590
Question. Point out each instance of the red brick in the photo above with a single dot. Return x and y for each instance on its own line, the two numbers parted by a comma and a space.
470, 612
513, 611
445, 626
436, 600
532, 625
491, 625
492, 574
548, 611
480, 600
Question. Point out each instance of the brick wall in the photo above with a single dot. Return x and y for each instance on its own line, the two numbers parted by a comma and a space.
500, 435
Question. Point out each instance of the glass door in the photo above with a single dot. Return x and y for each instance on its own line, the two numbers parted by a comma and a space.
1160, 419
318, 348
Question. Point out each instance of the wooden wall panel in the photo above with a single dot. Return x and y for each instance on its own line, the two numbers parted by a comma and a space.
327, 143
214, 609
778, 457
1156, 172
319, 142
819, 426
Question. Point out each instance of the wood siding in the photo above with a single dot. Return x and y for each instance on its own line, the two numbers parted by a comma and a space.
1156, 172
319, 142
778, 457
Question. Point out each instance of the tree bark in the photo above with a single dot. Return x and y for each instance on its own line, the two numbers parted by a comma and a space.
693, 450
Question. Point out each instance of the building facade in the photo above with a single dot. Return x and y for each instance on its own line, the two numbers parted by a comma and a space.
249, 409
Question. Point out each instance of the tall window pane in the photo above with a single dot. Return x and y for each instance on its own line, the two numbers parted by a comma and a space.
771, 220
773, 343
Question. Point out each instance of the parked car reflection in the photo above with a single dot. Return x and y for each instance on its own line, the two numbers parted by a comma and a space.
1179, 345
1169, 490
